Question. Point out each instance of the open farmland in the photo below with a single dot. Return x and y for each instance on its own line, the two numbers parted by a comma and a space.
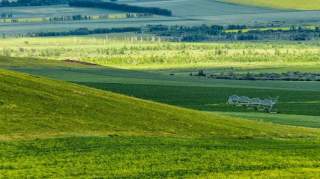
191, 146
296, 98
152, 62
52, 11
147, 54
160, 89
202, 8
280, 4
190, 13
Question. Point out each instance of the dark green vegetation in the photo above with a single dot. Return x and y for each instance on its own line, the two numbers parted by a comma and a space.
85, 31
288, 76
34, 106
214, 98
233, 33
285, 119
125, 105
199, 33
57, 129
295, 98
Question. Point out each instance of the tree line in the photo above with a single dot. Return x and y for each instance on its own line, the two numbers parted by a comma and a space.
86, 31
201, 33
222, 33
120, 7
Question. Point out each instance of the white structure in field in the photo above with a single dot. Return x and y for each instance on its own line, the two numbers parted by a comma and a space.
257, 103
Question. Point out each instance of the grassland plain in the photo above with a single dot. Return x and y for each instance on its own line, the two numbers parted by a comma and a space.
52, 11
136, 54
280, 4
186, 12
200, 8
214, 98
197, 93
51, 133
285, 119
49, 106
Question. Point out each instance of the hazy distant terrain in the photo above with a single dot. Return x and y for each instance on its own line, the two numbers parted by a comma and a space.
191, 12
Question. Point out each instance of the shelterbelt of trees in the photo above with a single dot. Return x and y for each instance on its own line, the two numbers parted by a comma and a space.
86, 31
120, 7
204, 33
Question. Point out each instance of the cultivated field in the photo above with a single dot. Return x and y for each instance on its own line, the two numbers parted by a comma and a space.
132, 53
280, 4
185, 12
60, 125
52, 11
124, 103
128, 137
149, 76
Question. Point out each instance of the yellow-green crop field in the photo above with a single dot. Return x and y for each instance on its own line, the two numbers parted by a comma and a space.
281, 4
134, 53
133, 110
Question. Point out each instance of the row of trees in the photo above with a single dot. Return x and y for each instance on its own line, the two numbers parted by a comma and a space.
201, 33
86, 31
6, 15
120, 7
215, 32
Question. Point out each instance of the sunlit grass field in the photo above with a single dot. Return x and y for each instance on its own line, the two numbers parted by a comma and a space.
280, 4
132, 53
300, 99
180, 126
159, 157
56, 129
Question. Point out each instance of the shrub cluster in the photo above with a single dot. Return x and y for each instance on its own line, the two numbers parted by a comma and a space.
86, 31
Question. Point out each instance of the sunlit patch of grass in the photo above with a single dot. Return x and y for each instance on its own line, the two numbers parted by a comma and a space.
280, 4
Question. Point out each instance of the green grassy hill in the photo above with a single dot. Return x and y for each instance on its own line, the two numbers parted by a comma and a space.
34, 107
281, 4
54, 129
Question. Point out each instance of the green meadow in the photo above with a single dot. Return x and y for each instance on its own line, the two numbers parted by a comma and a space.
129, 108
160, 157
48, 130
280, 4
152, 53
189, 13
145, 105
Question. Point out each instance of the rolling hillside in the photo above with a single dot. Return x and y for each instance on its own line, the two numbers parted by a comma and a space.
33, 107
53, 129
281, 4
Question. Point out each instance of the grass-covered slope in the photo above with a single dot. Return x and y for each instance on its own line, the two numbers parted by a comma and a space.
281, 4
36, 107
79, 132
